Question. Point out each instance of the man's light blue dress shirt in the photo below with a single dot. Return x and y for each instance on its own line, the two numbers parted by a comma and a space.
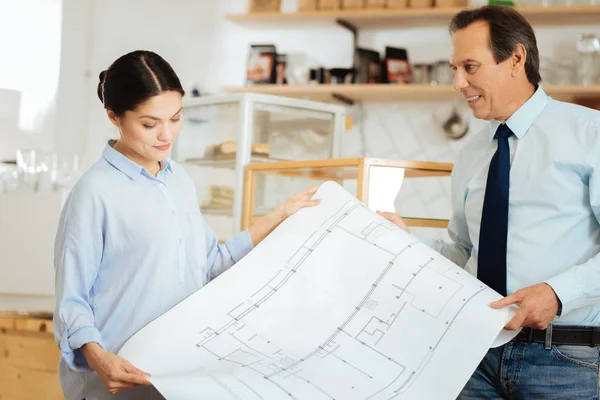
554, 206
129, 247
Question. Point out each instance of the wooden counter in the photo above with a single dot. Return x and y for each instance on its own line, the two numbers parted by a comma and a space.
28, 359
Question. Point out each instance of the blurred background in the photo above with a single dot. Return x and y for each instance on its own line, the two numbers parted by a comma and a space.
307, 81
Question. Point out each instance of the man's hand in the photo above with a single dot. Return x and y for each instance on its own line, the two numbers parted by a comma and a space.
538, 307
394, 218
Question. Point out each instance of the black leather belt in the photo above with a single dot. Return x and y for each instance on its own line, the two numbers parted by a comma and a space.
559, 334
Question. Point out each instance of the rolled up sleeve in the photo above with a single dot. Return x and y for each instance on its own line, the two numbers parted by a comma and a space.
78, 253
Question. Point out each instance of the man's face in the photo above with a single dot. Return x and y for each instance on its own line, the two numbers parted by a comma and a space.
485, 84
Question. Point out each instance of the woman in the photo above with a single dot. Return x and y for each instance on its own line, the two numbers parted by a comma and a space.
131, 241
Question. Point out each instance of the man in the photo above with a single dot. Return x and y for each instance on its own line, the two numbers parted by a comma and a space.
526, 212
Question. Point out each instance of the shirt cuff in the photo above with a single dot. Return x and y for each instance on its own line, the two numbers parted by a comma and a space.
239, 245
70, 346
568, 291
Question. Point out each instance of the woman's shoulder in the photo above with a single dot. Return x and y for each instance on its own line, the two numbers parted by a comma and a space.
92, 184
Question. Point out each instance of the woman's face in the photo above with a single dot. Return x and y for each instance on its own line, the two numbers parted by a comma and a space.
149, 131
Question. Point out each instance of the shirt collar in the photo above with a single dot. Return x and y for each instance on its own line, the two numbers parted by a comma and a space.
127, 166
522, 119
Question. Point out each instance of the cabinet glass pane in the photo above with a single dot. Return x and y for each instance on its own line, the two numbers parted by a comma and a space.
213, 173
294, 133
275, 187
425, 197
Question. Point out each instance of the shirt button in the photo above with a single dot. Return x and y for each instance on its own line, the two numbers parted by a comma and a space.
173, 212
180, 241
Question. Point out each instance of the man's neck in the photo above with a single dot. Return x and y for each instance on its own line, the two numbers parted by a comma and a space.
520, 97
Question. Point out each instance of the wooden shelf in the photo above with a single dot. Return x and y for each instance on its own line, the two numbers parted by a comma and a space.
392, 18
387, 92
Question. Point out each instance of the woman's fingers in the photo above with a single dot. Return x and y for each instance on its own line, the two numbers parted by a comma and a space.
134, 378
129, 367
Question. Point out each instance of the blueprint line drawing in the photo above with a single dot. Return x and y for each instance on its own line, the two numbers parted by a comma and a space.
343, 305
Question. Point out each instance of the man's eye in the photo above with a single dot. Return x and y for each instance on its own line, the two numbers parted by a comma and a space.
470, 68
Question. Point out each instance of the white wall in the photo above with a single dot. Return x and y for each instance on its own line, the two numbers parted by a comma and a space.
72, 119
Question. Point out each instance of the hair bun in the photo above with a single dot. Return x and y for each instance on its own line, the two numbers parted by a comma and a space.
101, 77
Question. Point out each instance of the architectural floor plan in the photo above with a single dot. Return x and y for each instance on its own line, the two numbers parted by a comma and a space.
337, 303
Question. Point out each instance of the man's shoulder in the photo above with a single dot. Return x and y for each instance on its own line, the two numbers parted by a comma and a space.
561, 112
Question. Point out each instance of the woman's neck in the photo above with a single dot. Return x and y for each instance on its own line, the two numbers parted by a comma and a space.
151, 166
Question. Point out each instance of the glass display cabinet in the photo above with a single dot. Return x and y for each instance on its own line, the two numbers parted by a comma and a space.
419, 191
222, 134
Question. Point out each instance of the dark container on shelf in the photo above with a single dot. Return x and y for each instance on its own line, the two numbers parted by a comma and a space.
368, 66
396, 68
262, 64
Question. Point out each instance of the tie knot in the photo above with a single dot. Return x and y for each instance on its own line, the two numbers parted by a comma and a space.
503, 132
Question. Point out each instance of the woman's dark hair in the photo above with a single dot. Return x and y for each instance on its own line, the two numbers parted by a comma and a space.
133, 79
508, 28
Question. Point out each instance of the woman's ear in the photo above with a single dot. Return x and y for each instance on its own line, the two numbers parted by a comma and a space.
113, 118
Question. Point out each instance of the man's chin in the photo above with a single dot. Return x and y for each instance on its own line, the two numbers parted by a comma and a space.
483, 115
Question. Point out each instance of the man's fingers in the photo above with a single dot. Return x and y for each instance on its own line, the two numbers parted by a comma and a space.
507, 301
516, 322
388, 215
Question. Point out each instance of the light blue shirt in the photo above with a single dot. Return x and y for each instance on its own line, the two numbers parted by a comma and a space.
129, 247
554, 203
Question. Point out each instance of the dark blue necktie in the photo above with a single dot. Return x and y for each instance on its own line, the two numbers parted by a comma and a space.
491, 263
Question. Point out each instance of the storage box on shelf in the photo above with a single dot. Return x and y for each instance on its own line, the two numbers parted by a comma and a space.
377, 4
418, 190
221, 134
256, 6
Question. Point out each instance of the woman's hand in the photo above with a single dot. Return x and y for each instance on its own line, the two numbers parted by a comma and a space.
116, 372
394, 218
296, 202
269, 222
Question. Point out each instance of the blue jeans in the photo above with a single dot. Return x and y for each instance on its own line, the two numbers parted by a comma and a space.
520, 370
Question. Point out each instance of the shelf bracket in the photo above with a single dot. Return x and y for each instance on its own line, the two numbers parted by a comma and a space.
344, 99
348, 25
354, 30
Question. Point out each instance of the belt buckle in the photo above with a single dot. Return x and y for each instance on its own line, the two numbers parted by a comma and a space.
548, 341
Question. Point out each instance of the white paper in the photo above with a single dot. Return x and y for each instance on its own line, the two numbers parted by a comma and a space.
337, 303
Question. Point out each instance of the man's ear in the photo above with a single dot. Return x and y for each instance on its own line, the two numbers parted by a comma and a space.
517, 59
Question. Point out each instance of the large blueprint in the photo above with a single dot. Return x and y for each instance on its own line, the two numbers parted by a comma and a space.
337, 303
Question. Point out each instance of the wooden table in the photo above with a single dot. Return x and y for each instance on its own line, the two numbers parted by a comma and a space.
28, 358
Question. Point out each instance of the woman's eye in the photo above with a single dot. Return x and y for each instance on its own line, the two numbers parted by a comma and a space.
148, 126
175, 119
